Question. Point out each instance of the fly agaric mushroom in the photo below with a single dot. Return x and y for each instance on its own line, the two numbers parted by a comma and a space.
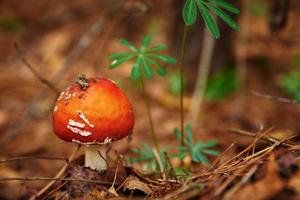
93, 112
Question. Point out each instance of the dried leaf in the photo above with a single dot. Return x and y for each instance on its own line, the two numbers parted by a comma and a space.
133, 183
265, 188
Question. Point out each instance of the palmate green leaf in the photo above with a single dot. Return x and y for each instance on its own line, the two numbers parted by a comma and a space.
145, 42
189, 134
160, 47
127, 44
160, 69
115, 63
204, 145
227, 6
200, 158
164, 58
115, 56
177, 133
136, 71
226, 18
148, 71
211, 152
189, 12
208, 19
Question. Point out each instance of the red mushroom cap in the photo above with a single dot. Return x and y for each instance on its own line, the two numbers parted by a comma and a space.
98, 112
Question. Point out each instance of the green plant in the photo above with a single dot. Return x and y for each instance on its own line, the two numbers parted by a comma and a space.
290, 82
258, 8
146, 58
11, 23
174, 85
146, 154
206, 8
198, 151
221, 84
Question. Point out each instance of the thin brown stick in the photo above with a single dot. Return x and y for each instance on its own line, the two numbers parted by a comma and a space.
157, 157
35, 73
264, 137
58, 175
213, 165
273, 98
35, 178
24, 158
202, 76
54, 190
112, 187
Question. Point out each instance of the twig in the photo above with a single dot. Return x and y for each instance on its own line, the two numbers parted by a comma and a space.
273, 98
237, 186
264, 137
35, 73
33, 178
57, 176
32, 158
202, 76
157, 157
213, 165
112, 187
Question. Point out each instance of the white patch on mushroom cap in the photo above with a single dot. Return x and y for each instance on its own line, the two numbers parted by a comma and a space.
83, 133
84, 118
76, 124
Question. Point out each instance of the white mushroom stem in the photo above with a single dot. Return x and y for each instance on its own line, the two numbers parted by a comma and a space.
93, 159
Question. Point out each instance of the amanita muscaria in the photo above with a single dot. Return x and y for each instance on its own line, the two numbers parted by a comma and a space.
93, 112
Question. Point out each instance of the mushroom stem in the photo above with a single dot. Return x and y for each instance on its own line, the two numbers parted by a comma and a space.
95, 157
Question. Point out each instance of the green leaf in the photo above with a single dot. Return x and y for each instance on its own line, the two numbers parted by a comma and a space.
189, 134
208, 19
182, 148
202, 145
135, 150
136, 70
147, 148
227, 6
160, 47
164, 58
115, 56
211, 152
200, 158
146, 41
226, 18
127, 44
174, 84
189, 12
148, 71
117, 62
177, 133
160, 69
221, 84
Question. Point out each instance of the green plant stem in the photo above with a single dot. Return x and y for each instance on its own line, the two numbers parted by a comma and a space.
153, 133
181, 65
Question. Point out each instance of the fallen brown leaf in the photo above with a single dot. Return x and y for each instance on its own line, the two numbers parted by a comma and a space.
133, 183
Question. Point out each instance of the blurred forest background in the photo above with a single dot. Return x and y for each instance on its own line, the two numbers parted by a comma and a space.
64, 38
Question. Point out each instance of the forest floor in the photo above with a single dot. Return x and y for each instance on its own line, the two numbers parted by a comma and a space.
258, 136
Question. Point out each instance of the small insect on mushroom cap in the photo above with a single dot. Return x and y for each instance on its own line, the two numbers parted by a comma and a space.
93, 111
